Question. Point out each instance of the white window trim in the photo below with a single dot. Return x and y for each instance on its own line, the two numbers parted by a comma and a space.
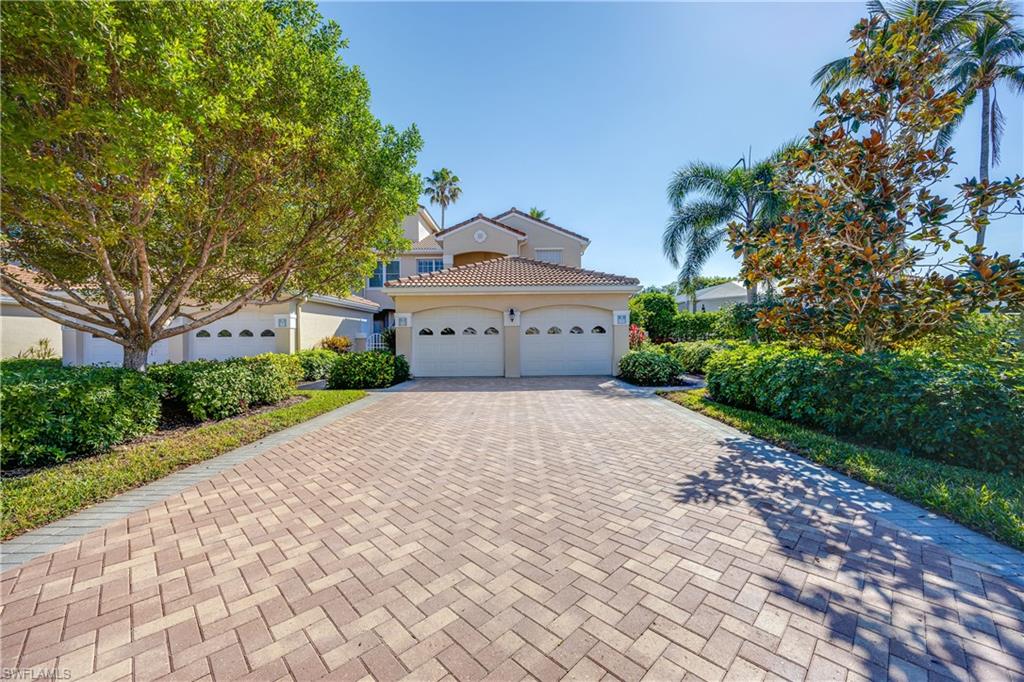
431, 259
558, 249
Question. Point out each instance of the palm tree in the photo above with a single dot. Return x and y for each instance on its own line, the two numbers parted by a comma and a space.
951, 20
705, 198
984, 46
991, 56
443, 189
538, 213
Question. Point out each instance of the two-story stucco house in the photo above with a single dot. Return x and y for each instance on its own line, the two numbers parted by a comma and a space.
501, 296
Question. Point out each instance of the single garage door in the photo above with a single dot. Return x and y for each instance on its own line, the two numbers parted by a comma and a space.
236, 336
566, 340
458, 342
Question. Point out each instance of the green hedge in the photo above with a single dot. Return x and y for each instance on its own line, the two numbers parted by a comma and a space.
51, 413
649, 367
370, 369
694, 326
216, 390
316, 363
910, 403
693, 355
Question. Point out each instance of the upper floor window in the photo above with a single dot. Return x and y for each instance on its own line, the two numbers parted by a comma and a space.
426, 265
385, 272
549, 255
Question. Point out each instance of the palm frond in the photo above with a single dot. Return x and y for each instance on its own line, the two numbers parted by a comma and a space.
701, 245
711, 180
997, 126
688, 219
834, 75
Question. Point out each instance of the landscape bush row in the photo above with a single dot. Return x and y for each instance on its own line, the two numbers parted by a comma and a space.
911, 402
51, 413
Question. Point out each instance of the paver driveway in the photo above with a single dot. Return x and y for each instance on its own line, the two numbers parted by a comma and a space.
511, 529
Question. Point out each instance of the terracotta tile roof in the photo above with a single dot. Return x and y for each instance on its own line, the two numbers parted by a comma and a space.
480, 216
513, 271
361, 301
25, 276
516, 211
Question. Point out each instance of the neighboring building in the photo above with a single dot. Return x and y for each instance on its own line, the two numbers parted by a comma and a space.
277, 328
21, 328
510, 300
713, 298
426, 255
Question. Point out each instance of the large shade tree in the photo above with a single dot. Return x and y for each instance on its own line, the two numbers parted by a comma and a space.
443, 189
864, 253
706, 198
166, 164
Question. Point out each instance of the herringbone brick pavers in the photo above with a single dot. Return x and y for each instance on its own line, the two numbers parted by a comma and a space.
511, 530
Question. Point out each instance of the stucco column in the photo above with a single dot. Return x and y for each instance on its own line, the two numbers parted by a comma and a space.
403, 342
620, 345
286, 335
512, 369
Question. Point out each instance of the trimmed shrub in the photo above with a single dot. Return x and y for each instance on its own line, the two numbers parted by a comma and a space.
217, 390
911, 402
289, 363
693, 355
338, 344
654, 313
316, 363
51, 413
694, 326
739, 321
649, 368
369, 369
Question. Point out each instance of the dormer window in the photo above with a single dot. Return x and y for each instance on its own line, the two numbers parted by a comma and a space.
549, 255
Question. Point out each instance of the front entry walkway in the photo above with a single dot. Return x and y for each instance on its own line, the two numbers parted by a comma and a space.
543, 528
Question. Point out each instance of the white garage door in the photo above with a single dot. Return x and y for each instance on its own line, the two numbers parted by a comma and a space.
99, 351
458, 342
566, 340
236, 336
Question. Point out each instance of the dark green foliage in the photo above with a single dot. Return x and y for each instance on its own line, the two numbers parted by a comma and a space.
693, 355
402, 370
912, 403
316, 363
655, 313
990, 503
739, 321
649, 368
216, 390
388, 336
51, 413
371, 369
289, 363
694, 326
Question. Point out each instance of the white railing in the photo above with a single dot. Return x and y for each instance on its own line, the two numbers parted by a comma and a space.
376, 342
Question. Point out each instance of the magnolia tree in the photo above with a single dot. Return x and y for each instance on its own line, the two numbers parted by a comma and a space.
166, 164
868, 253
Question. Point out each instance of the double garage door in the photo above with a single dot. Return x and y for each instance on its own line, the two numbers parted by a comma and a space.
562, 340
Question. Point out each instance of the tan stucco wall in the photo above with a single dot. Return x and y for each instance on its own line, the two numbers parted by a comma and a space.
319, 320
498, 240
21, 329
541, 237
521, 303
469, 257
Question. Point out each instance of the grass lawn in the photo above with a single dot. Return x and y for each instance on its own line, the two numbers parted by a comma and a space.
992, 504
54, 492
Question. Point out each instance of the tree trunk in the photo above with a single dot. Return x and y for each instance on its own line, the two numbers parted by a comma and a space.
986, 139
135, 358
442, 216
752, 294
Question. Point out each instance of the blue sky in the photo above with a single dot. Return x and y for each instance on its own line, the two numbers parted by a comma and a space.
586, 109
